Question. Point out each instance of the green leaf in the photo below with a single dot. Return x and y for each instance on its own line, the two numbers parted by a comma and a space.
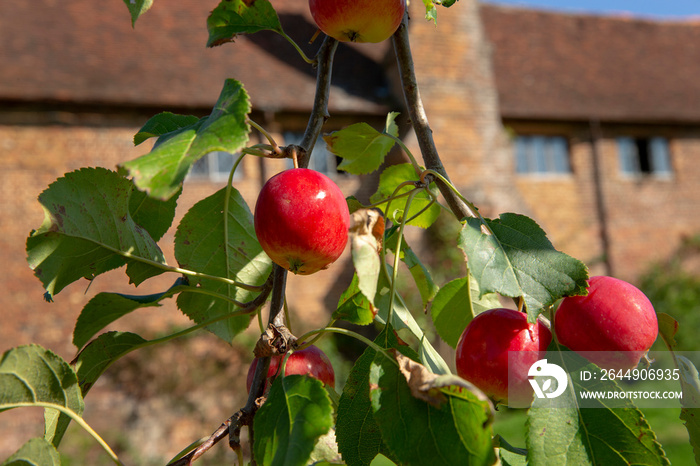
430, 10
36, 452
366, 233
233, 17
512, 256
153, 215
421, 276
389, 180
690, 383
105, 308
162, 124
358, 435
511, 459
401, 318
599, 435
88, 229
354, 306
668, 327
100, 353
161, 172
362, 147
451, 310
456, 304
137, 8
353, 204
32, 375
296, 414
455, 431
201, 245
326, 451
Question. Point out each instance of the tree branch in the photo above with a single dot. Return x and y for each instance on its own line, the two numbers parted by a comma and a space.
419, 119
319, 112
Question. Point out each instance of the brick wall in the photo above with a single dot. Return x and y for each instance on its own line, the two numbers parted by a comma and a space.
649, 216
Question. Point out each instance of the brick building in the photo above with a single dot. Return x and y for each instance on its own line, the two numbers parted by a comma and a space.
589, 124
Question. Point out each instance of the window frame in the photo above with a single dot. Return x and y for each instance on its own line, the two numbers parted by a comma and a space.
213, 174
644, 156
543, 156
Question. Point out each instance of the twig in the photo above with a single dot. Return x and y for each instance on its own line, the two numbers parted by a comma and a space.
218, 434
319, 112
419, 120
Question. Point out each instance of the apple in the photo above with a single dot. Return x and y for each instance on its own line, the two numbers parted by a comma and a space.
358, 20
308, 361
482, 354
615, 319
302, 220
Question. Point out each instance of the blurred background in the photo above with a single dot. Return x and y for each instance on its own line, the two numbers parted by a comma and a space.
584, 115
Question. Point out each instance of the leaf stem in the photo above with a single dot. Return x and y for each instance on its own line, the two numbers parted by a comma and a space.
75, 417
397, 256
296, 46
357, 336
273, 144
403, 146
189, 273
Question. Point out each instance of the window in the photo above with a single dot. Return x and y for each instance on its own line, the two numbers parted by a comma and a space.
321, 160
536, 154
644, 156
215, 166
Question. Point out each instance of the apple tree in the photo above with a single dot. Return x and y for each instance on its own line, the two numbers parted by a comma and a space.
401, 402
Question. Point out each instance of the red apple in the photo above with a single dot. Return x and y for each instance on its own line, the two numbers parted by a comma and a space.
614, 318
308, 361
358, 20
302, 220
482, 354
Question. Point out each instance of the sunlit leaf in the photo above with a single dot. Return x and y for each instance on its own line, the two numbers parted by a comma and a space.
88, 229
422, 212
201, 245
233, 17
512, 256
137, 8
161, 172
361, 147
354, 306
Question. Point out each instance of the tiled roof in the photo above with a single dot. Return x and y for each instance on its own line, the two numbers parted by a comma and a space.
86, 51
571, 66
